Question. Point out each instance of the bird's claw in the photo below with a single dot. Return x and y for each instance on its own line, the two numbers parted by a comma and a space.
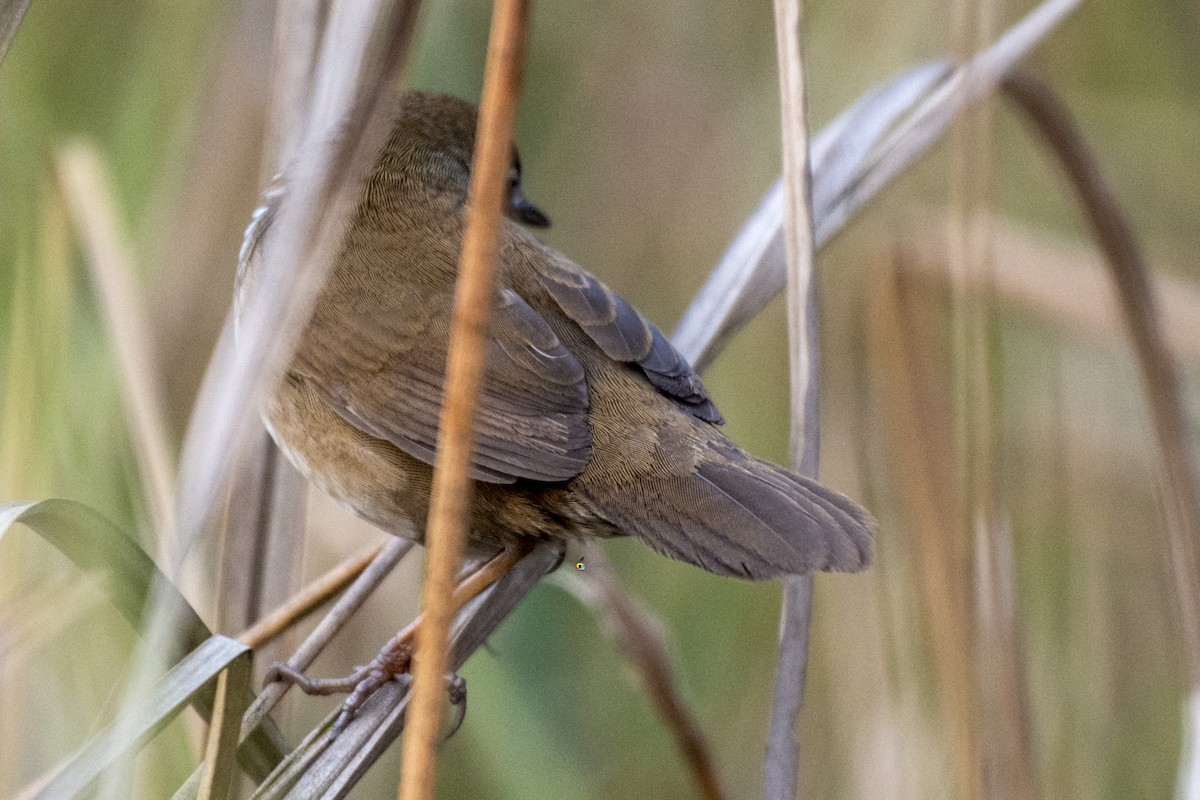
456, 687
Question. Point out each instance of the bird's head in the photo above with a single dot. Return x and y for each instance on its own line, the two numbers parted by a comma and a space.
432, 141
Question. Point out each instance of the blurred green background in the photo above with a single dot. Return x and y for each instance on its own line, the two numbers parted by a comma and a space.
648, 132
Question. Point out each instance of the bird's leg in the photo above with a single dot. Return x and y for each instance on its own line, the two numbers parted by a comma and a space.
395, 657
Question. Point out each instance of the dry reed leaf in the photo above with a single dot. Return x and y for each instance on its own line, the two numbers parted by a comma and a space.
132, 584
346, 126
754, 267
260, 552
362, 53
738, 289
97, 546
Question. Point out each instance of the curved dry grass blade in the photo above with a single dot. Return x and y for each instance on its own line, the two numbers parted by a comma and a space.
727, 303
782, 763
183, 684
917, 133
99, 547
637, 631
133, 584
87, 186
754, 267
11, 14
449, 505
319, 768
1160, 378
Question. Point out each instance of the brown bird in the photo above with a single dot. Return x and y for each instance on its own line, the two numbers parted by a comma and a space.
589, 422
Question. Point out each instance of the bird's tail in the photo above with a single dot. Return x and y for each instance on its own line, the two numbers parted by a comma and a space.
744, 517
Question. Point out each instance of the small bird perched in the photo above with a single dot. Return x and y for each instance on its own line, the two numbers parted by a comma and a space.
589, 423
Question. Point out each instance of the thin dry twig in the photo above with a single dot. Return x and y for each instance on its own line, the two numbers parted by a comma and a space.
781, 766
309, 599
639, 634
446, 529
366, 583
331, 768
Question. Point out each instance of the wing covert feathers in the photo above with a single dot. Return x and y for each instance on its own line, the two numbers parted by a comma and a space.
625, 335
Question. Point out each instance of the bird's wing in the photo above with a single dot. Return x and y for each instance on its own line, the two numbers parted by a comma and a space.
624, 334
384, 371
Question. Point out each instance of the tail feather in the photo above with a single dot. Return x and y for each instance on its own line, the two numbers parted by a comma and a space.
747, 518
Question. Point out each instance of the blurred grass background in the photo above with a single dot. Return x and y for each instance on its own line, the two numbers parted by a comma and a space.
648, 132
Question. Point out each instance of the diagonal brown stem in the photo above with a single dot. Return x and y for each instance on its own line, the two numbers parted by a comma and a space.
633, 628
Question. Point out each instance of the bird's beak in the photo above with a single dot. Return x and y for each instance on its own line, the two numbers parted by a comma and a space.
520, 208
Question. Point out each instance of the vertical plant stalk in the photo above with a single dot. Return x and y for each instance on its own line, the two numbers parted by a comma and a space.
1160, 378
446, 531
261, 547
780, 770
90, 198
994, 764
920, 447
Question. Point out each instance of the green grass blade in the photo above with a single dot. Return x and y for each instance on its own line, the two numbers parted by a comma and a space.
127, 574
181, 685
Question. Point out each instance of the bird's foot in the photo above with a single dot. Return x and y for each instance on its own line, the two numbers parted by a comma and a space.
395, 658
392, 661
